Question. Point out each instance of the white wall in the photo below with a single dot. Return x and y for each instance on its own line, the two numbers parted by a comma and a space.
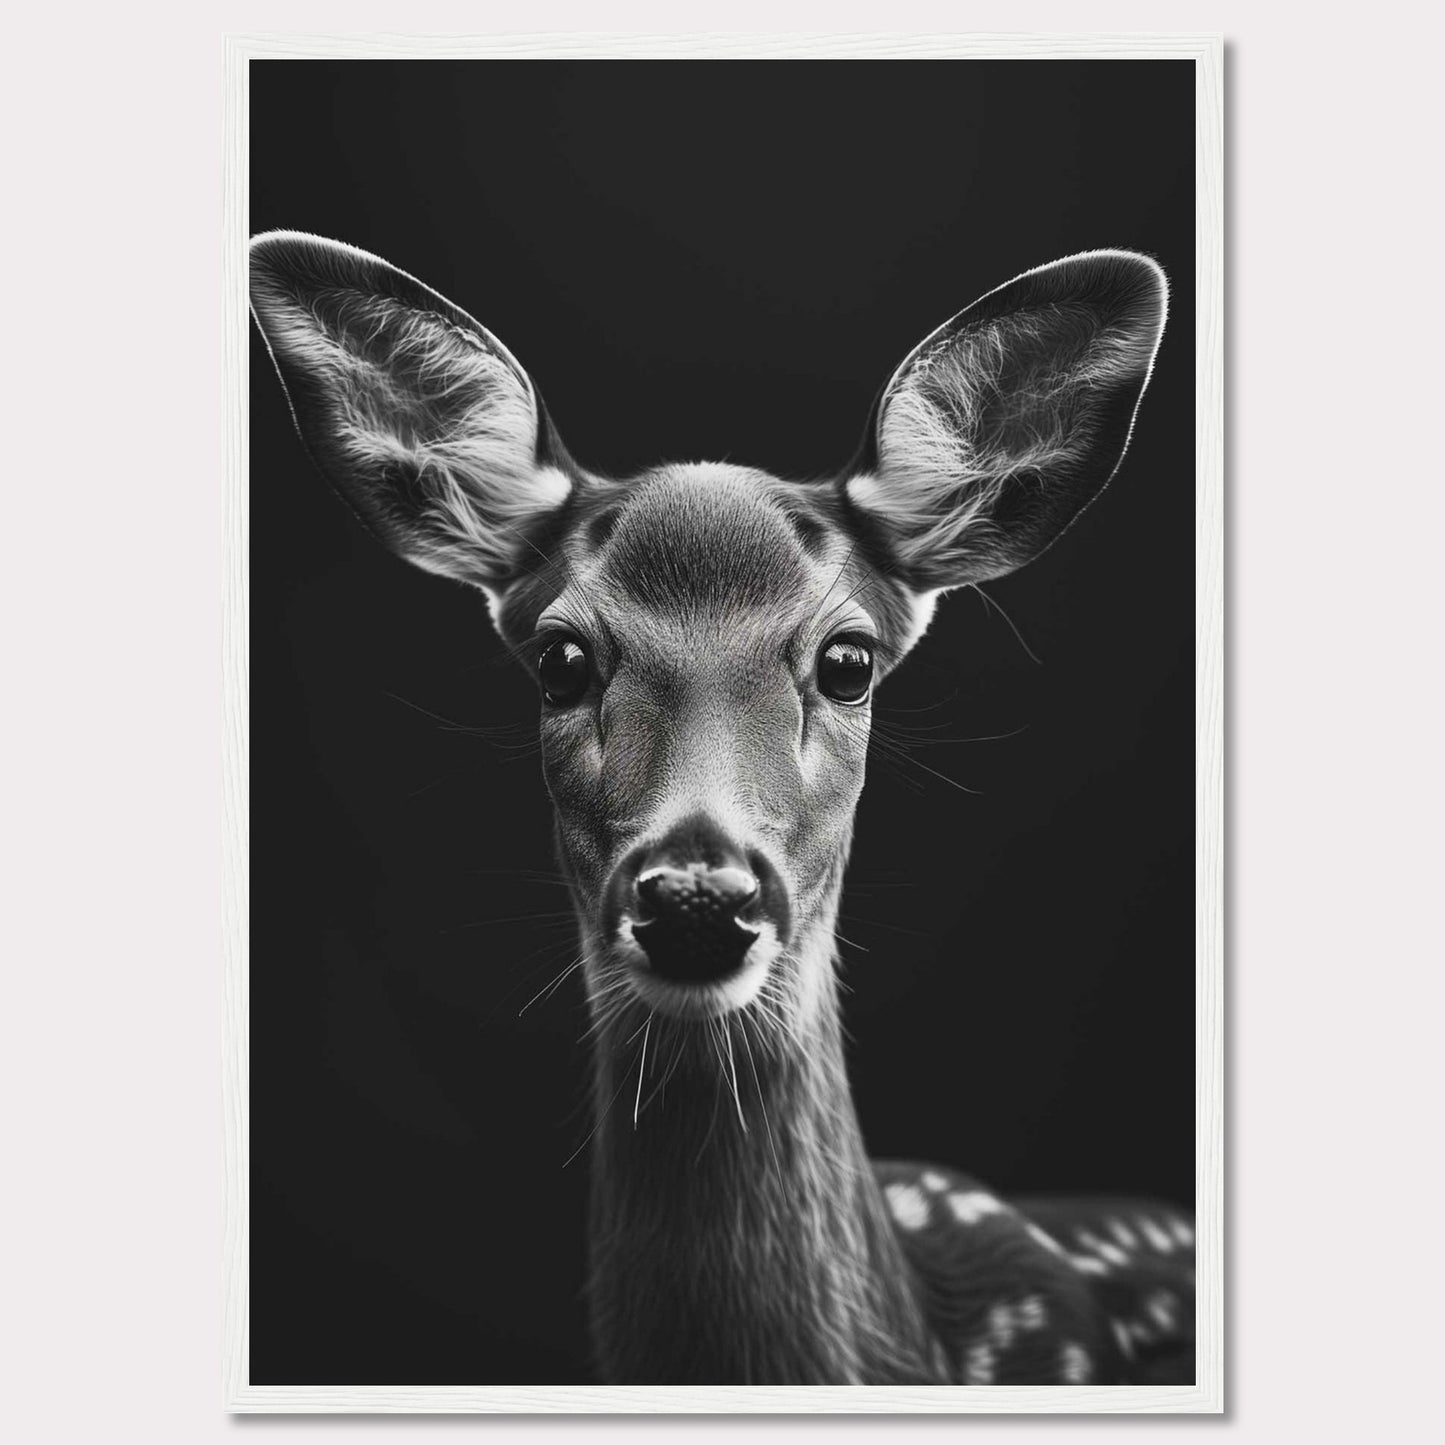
109, 604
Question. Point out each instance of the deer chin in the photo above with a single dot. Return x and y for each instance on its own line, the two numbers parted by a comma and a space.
694, 1001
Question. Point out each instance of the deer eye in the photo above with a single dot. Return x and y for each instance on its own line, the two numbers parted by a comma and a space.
845, 671
564, 672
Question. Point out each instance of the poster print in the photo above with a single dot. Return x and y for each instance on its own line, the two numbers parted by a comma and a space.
722, 715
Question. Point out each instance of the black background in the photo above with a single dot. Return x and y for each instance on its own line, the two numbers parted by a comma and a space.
722, 261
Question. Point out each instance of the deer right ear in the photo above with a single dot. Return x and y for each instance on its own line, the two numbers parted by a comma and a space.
1001, 427
417, 416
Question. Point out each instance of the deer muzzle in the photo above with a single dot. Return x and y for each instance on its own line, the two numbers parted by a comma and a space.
697, 903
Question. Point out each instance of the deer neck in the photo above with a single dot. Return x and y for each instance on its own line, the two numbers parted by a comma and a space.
743, 1237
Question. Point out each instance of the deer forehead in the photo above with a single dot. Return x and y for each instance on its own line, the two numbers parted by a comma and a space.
718, 557
712, 540
697, 564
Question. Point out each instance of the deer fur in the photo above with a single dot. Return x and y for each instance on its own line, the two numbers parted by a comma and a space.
739, 1230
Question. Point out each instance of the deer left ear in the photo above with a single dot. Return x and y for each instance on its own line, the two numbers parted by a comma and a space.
419, 417
1006, 422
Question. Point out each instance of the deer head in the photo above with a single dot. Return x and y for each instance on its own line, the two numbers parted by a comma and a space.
706, 638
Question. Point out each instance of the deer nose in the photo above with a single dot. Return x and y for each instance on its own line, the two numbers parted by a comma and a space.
689, 920
697, 892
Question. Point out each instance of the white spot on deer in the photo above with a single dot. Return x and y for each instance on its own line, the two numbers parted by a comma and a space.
1001, 1326
971, 1206
1125, 1338
1106, 1251
1030, 1313
1075, 1365
1047, 1240
1182, 1233
908, 1204
978, 1365
1087, 1264
1156, 1236
934, 1181
1124, 1234
1162, 1308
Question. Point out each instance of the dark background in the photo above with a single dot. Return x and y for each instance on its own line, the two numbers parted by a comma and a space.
723, 261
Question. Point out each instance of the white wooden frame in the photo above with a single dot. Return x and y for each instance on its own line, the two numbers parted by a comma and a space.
1207, 1394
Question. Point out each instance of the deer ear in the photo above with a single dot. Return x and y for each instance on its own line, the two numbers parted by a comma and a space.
1006, 422
417, 416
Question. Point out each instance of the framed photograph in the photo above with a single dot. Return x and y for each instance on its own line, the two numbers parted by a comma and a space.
724, 653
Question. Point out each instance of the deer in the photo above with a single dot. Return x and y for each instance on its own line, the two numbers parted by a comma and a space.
706, 640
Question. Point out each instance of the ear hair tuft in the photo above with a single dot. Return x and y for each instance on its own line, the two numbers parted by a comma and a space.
1005, 422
